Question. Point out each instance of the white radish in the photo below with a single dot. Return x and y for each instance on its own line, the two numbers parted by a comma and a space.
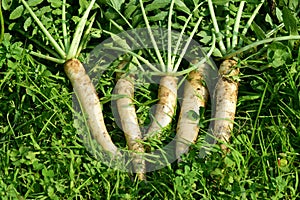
195, 95
83, 87
225, 97
129, 121
89, 100
176, 50
167, 95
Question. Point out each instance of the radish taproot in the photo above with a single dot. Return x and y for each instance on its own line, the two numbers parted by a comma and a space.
83, 87
225, 97
89, 101
195, 96
167, 95
226, 90
130, 126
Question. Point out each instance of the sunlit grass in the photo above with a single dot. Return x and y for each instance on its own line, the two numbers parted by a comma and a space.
43, 157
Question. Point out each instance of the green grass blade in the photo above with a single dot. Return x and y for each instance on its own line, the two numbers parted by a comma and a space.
273, 31
258, 113
158, 54
45, 31
79, 31
237, 24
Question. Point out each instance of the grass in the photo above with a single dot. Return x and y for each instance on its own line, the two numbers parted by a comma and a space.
42, 157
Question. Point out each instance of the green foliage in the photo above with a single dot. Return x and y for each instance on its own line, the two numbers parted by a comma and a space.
259, 32
290, 21
157, 5
6, 4
16, 13
278, 54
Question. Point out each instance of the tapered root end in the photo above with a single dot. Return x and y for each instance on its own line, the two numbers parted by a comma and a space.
141, 176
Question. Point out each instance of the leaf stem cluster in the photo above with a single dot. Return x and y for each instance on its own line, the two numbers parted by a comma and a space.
69, 49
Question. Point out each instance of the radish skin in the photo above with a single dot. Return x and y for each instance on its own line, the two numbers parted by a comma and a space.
195, 95
130, 124
225, 96
88, 98
167, 95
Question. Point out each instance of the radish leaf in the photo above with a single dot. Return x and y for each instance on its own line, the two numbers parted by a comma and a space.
293, 4
27, 23
16, 13
182, 7
34, 2
220, 2
6, 4
116, 4
157, 4
158, 17
55, 3
279, 15
258, 31
290, 21
130, 9
278, 54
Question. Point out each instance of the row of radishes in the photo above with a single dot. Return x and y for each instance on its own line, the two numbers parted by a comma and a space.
195, 96
195, 93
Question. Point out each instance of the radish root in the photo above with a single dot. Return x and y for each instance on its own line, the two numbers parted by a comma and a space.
167, 95
88, 98
129, 122
225, 96
195, 95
